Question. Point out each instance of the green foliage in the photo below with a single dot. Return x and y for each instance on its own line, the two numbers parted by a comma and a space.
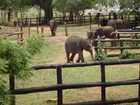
135, 43
126, 55
100, 54
72, 5
34, 43
17, 58
4, 94
14, 61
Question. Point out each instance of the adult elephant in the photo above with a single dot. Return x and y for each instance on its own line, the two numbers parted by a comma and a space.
53, 26
102, 32
117, 24
75, 45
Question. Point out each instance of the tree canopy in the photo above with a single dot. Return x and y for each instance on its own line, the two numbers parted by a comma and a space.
75, 6
72, 5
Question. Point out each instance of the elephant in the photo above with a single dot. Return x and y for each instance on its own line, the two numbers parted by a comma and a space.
75, 45
102, 32
117, 24
104, 22
53, 26
112, 23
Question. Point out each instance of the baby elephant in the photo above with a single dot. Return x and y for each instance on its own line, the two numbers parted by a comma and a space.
74, 45
53, 26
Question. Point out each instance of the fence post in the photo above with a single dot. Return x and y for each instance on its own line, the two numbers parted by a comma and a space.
139, 86
21, 38
37, 25
29, 31
66, 30
59, 81
90, 20
121, 45
42, 31
12, 87
103, 80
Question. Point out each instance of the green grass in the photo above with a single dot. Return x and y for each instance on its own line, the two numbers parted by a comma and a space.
49, 53
79, 75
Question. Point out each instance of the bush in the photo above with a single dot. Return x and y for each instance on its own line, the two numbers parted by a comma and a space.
14, 61
4, 93
126, 55
34, 43
100, 54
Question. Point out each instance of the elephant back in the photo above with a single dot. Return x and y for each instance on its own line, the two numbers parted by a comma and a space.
112, 23
72, 44
107, 30
120, 23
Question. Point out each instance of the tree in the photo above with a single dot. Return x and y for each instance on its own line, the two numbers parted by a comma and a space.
46, 5
75, 7
21, 5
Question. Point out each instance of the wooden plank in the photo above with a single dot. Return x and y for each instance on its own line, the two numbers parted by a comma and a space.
103, 80
137, 32
133, 47
118, 40
94, 63
73, 86
108, 102
12, 88
59, 89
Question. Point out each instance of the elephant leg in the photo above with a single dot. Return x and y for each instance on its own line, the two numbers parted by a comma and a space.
78, 60
68, 59
52, 31
114, 43
72, 57
80, 57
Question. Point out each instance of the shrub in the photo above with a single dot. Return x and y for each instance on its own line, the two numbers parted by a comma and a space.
4, 93
34, 43
100, 54
14, 61
126, 55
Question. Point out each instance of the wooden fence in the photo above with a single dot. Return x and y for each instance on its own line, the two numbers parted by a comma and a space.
121, 44
86, 19
60, 86
18, 36
59, 20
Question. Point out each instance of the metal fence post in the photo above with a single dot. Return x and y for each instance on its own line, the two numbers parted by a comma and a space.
59, 81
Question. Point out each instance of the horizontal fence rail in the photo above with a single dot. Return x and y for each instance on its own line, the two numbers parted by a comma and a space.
18, 35
120, 44
60, 86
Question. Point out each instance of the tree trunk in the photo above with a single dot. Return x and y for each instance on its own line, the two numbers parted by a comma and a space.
114, 16
71, 16
46, 5
9, 14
